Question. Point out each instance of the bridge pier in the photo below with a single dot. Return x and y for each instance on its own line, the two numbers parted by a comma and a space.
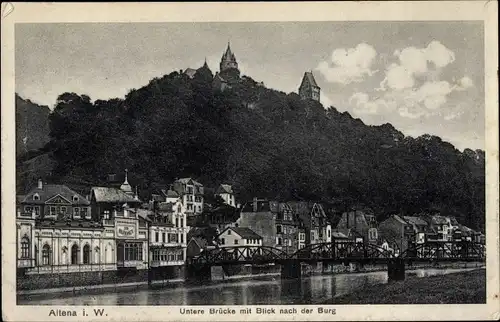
291, 270
396, 270
194, 274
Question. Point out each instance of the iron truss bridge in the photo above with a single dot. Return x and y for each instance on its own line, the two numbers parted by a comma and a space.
342, 252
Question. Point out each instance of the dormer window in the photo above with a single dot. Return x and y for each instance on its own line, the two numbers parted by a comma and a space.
36, 196
75, 198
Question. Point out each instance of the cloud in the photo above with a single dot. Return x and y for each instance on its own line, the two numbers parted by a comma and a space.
363, 104
325, 100
349, 65
464, 83
414, 63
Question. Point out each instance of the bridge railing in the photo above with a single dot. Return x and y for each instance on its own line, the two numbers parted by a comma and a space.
344, 250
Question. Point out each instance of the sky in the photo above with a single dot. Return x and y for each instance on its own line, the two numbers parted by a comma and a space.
422, 77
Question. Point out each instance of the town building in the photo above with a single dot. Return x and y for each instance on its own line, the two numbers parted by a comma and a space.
313, 218
357, 223
287, 229
260, 216
309, 89
239, 236
167, 233
57, 234
225, 191
191, 194
117, 210
398, 231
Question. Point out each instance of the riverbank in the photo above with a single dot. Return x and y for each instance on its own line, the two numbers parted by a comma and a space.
456, 288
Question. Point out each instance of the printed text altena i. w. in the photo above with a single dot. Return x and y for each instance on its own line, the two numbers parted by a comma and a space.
83, 312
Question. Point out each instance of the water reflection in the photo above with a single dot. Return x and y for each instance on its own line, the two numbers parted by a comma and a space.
251, 292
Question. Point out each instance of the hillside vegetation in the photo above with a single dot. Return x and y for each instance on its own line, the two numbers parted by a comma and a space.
265, 143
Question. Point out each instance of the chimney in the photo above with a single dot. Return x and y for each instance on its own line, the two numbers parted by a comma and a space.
255, 204
40, 184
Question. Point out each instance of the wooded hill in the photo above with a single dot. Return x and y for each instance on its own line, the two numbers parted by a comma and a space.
264, 142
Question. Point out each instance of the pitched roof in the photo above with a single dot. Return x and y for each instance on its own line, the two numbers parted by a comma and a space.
415, 220
201, 242
225, 188
401, 220
145, 214
106, 194
244, 232
157, 197
170, 193
49, 191
166, 206
187, 180
439, 220
310, 78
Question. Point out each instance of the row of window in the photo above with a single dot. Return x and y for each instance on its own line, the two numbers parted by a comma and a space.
164, 255
47, 253
285, 242
190, 207
55, 210
172, 237
236, 241
129, 252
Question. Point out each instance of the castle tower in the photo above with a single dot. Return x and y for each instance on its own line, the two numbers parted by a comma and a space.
228, 60
309, 89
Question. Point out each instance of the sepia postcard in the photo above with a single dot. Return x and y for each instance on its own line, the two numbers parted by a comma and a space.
308, 161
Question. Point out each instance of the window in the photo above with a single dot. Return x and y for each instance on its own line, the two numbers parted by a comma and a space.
52, 210
106, 214
28, 210
163, 237
36, 196
278, 241
176, 222
84, 212
190, 206
129, 252
329, 233
37, 211
172, 238
236, 242
179, 209
180, 256
279, 229
229, 231
76, 212
63, 210
86, 254
156, 236
36, 256
182, 238
46, 255
25, 247
75, 250
222, 241
302, 236
182, 222
75, 198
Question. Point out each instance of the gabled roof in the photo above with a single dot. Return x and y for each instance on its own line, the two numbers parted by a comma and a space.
415, 220
170, 193
166, 206
145, 214
243, 232
201, 242
189, 180
309, 78
49, 191
225, 188
399, 219
114, 195
439, 220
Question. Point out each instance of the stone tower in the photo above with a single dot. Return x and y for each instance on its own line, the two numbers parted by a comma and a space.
228, 60
309, 89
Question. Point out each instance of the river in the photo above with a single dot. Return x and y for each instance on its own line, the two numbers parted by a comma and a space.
263, 290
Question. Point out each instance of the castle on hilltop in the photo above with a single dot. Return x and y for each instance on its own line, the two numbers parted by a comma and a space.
228, 60
229, 74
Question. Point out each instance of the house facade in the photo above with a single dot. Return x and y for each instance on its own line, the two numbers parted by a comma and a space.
56, 233
359, 224
225, 191
399, 231
191, 194
239, 236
